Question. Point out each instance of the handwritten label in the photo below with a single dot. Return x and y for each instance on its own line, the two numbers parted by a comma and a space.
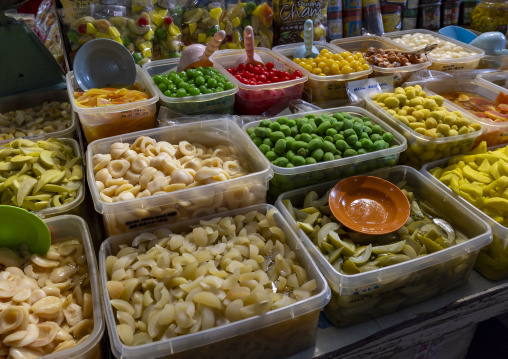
361, 88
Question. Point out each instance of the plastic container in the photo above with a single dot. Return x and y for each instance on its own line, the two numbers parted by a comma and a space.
494, 133
124, 216
27, 100
90, 348
490, 15
466, 11
450, 13
106, 121
423, 149
370, 294
496, 62
276, 334
492, 261
462, 63
410, 15
494, 78
362, 43
214, 103
286, 179
257, 99
392, 17
322, 88
429, 16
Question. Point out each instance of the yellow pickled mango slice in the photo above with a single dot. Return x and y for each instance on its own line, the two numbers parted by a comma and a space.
77, 173
334, 255
502, 168
350, 268
101, 35
497, 203
26, 167
54, 188
327, 247
113, 32
501, 182
40, 197
492, 157
481, 148
473, 175
192, 28
334, 239
46, 158
149, 35
118, 39
28, 205
146, 53
163, 12
174, 30
389, 248
494, 170
20, 159
310, 210
24, 188
45, 178
472, 189
485, 167
236, 22
158, 19
55, 202
306, 227
216, 13
429, 244
6, 166
6, 152
312, 218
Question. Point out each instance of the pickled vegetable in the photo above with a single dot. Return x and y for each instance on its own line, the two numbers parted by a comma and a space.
490, 15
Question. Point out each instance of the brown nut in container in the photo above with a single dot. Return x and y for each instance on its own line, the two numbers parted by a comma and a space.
391, 59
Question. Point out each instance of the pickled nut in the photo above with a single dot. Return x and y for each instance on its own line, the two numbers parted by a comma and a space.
392, 59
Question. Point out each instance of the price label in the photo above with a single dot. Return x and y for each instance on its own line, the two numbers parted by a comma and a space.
117, 13
362, 88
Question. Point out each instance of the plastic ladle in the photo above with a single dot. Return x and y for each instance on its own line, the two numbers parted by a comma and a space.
250, 56
490, 42
104, 63
307, 50
19, 226
198, 55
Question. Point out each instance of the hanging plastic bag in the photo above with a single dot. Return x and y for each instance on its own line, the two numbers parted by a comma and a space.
372, 22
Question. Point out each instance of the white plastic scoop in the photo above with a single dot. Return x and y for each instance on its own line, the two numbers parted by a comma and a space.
199, 55
250, 57
307, 50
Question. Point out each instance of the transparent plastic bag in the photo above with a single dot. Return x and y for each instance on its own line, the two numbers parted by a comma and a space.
201, 20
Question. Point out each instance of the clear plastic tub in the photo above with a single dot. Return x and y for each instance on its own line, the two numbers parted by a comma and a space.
124, 216
214, 103
322, 88
73, 226
276, 334
256, 99
370, 294
423, 149
494, 78
106, 121
496, 62
286, 179
362, 43
462, 63
494, 133
28, 100
492, 261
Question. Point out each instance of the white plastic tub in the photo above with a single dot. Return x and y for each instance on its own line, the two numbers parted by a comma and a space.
256, 99
276, 334
322, 88
362, 43
106, 121
370, 294
32, 99
286, 179
214, 103
124, 216
463, 63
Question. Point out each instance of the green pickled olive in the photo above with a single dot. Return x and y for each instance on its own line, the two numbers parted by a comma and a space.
323, 127
295, 146
341, 145
298, 161
318, 154
250, 130
301, 122
289, 140
377, 130
310, 116
328, 138
302, 152
338, 126
310, 160
338, 116
264, 148
349, 153
277, 135
347, 125
367, 130
315, 144
271, 155
305, 137
348, 132
291, 123
297, 137
289, 165
318, 120
358, 127
265, 123
281, 162
307, 128
257, 141
367, 143
361, 151
337, 157
328, 156
379, 145
331, 132
275, 126
327, 146
290, 154
357, 145
294, 131
375, 137
260, 132
280, 146
286, 130
268, 142
351, 140
363, 135
388, 137
282, 120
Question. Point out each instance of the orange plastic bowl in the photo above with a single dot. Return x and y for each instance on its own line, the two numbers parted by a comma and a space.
369, 205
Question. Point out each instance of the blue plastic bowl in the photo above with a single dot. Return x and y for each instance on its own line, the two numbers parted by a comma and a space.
458, 33
104, 63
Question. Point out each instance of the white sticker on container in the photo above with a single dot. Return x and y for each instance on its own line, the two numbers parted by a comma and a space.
360, 89
216, 4
117, 13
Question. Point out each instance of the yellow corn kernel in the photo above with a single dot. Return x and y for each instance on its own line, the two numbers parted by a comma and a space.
236, 22
216, 13
158, 19
147, 53
101, 35
149, 35
192, 27
113, 32
201, 38
90, 29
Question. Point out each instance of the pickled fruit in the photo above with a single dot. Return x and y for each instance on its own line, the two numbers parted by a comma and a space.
490, 15
328, 63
